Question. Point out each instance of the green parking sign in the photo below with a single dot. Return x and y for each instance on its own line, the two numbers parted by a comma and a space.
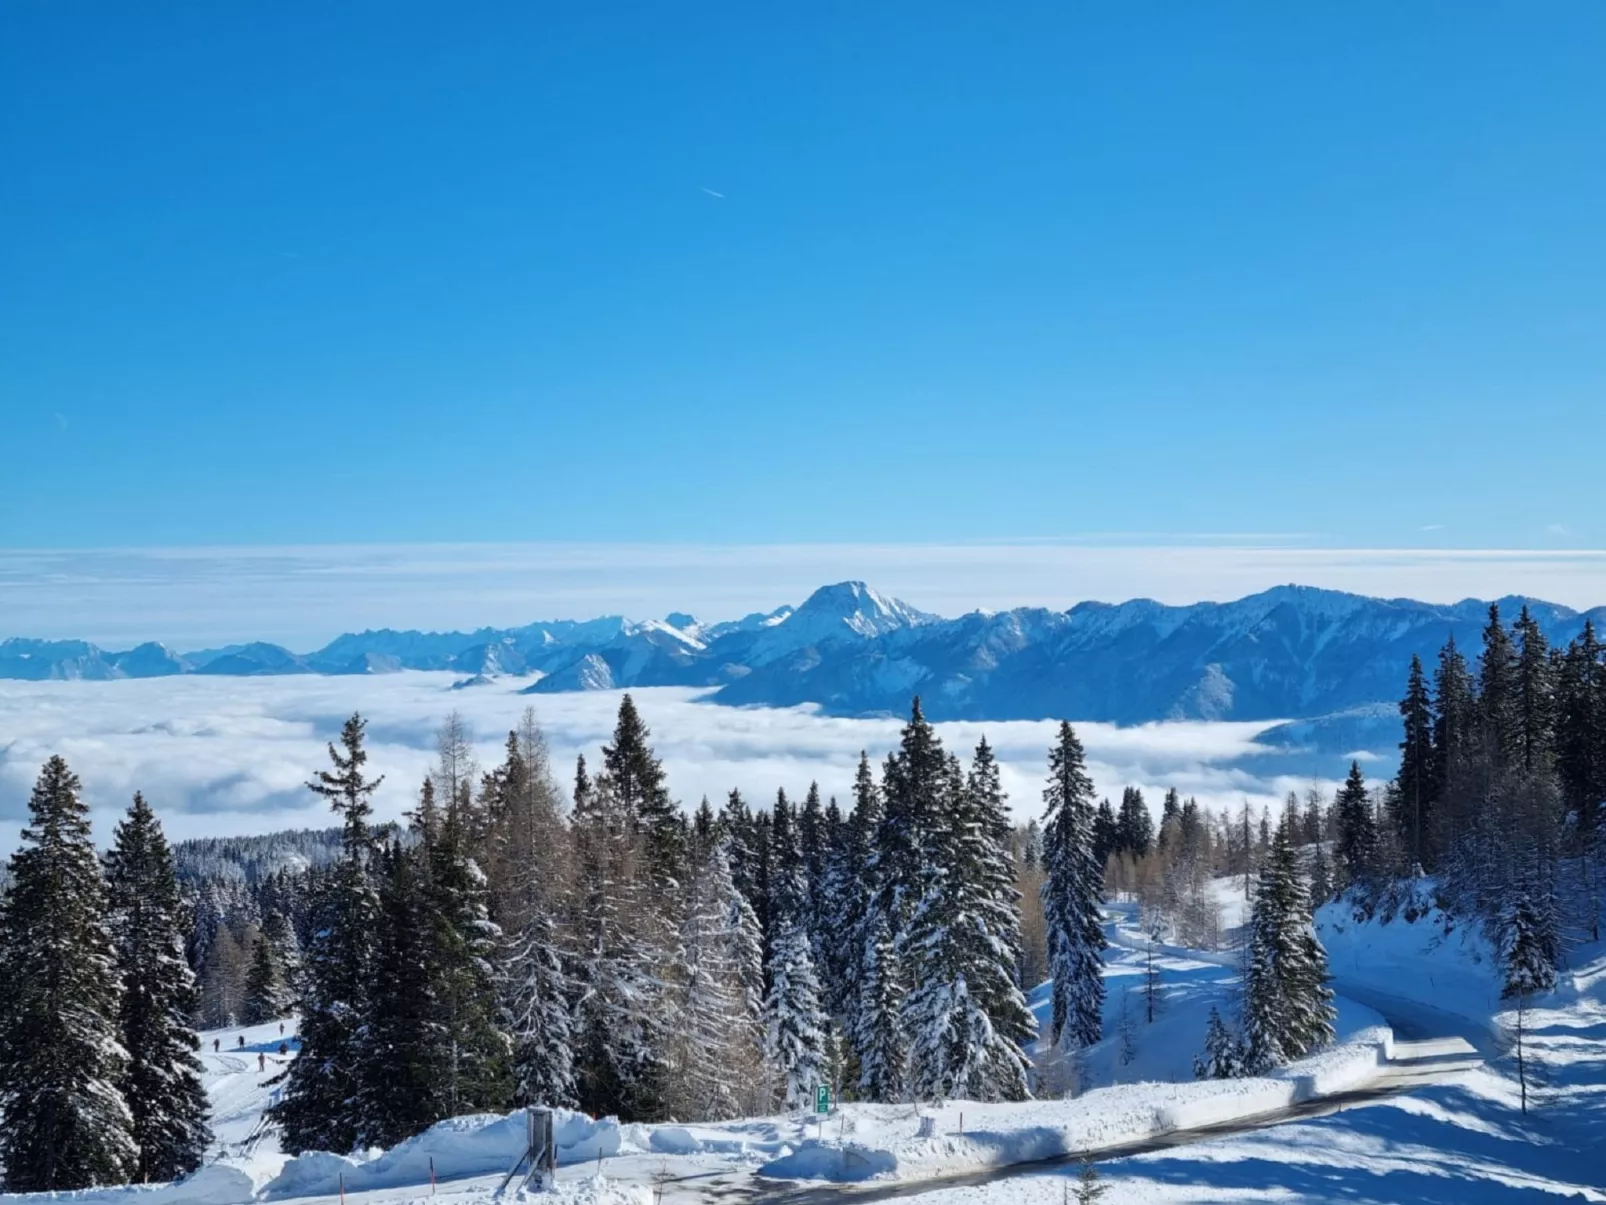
822, 1098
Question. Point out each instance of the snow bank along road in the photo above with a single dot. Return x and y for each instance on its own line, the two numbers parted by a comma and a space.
1430, 1047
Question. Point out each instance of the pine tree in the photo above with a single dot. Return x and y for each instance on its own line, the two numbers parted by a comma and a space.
911, 787
1071, 897
1535, 701
795, 1024
539, 1018
162, 1081
621, 1015
404, 1064
1134, 827
267, 989
878, 1036
1288, 1008
959, 962
1529, 965
67, 1124
1454, 719
638, 783
1356, 853
1499, 702
1223, 1056
996, 974
1170, 820
1106, 834
318, 1108
1415, 781
463, 944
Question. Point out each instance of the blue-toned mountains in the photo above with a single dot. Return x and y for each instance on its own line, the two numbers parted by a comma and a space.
1292, 652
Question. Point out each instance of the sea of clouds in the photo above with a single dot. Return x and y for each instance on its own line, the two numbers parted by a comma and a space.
229, 756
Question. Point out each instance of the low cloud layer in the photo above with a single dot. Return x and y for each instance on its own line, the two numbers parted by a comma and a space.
226, 756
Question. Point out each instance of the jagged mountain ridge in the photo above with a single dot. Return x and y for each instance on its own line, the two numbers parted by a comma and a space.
1287, 653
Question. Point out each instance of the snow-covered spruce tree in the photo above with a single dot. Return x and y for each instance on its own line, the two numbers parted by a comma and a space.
961, 958
795, 1024
61, 1062
1288, 1007
464, 944
267, 989
1357, 847
539, 1017
404, 1058
316, 1111
1528, 964
619, 1016
878, 1036
996, 975
162, 1080
1223, 1056
1415, 781
1071, 896
638, 782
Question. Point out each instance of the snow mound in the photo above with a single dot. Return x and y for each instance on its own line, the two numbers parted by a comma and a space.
213, 1184
477, 1145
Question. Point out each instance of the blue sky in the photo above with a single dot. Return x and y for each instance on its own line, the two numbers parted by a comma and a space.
751, 273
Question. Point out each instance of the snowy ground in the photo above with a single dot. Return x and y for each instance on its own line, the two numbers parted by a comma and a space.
1436, 1127
1459, 1142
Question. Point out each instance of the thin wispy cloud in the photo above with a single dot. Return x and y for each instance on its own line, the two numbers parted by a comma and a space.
304, 596
718, 196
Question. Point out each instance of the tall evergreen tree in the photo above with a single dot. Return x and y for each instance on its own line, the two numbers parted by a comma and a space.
318, 1110
1134, 826
911, 789
267, 988
463, 944
1535, 696
620, 1017
878, 1036
162, 1081
1288, 1008
963, 943
1071, 897
1106, 834
404, 1063
795, 1033
1415, 781
61, 1061
1581, 731
1499, 701
1357, 852
640, 787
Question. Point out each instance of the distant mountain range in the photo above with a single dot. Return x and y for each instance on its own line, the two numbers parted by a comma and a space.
1293, 652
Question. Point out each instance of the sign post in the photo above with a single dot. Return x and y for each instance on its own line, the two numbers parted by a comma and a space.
822, 1098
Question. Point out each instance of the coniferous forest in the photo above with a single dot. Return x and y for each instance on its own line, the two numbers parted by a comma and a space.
593, 944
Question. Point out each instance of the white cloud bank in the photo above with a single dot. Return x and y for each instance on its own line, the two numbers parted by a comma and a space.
227, 756
302, 597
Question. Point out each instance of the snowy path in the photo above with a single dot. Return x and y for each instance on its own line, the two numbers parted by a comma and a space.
1423, 1060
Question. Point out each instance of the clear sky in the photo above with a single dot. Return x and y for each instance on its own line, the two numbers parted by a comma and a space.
763, 273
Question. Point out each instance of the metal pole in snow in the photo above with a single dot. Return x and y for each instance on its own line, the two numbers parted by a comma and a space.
342, 1188
432, 1175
